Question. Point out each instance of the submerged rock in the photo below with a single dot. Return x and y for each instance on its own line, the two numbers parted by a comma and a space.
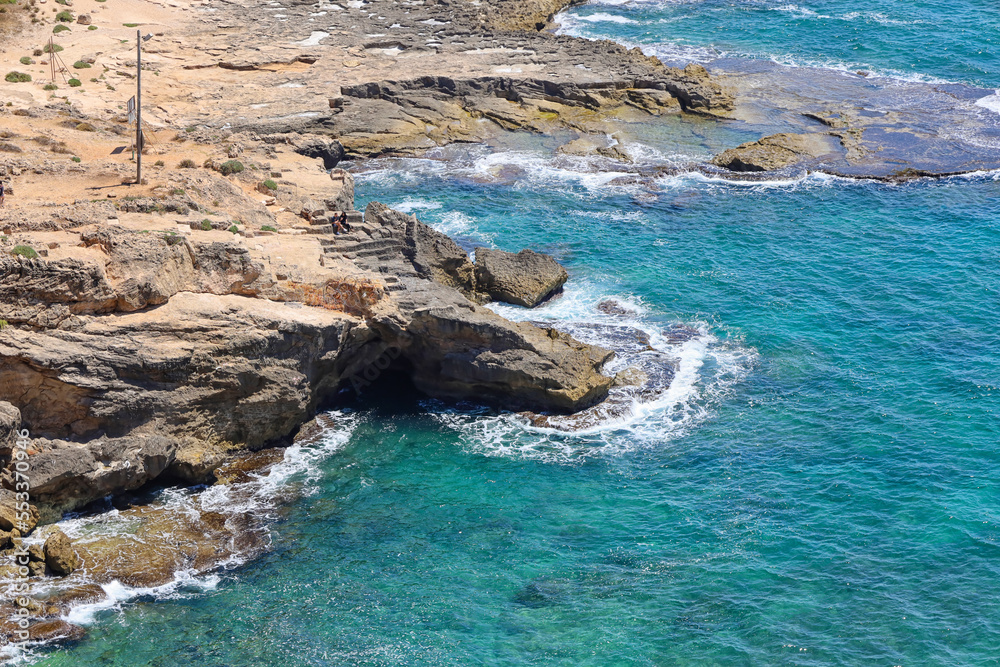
525, 279
612, 307
538, 594
53, 629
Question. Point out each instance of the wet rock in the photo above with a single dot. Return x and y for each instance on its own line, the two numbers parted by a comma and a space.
524, 279
162, 541
585, 146
64, 598
774, 152
55, 629
36, 553
60, 555
245, 467
612, 307
680, 333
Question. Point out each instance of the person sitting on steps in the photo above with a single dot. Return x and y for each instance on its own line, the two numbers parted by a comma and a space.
337, 227
343, 221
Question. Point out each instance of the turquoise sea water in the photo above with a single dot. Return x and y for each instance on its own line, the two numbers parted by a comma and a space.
817, 487
926, 40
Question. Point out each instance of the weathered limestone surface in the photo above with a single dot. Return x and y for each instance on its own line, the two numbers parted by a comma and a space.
525, 279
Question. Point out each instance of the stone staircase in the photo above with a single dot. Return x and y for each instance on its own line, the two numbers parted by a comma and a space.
367, 248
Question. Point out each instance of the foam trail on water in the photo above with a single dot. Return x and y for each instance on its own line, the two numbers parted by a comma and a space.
687, 367
602, 17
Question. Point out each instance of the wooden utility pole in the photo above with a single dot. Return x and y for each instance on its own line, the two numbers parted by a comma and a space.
138, 107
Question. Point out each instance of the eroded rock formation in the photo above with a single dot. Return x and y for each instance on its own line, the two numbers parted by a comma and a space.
524, 279
140, 355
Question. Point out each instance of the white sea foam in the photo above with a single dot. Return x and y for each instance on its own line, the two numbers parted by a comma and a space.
604, 17
411, 205
541, 169
991, 102
685, 180
800, 11
876, 17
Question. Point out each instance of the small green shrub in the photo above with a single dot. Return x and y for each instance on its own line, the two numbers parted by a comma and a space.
206, 225
187, 164
76, 159
270, 185
18, 77
92, 27
51, 48
26, 60
159, 163
79, 64
268, 228
50, 86
25, 251
131, 25
74, 83
234, 229
230, 167
60, 28
4, 324
64, 17
177, 191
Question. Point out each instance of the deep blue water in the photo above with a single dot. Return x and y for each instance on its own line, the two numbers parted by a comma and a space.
817, 487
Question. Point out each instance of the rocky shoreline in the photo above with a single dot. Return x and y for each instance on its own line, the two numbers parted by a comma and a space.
169, 331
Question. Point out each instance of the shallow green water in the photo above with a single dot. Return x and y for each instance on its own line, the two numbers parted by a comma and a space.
823, 493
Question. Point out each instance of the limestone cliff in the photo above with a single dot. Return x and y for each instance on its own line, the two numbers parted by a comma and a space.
135, 355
